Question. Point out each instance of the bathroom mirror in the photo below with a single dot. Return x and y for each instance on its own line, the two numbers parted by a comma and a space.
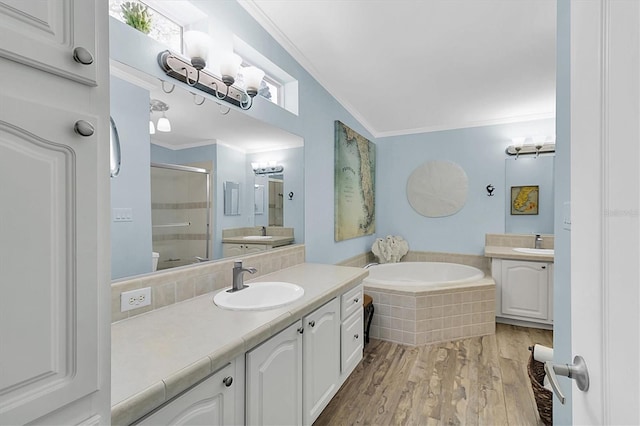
203, 135
528, 173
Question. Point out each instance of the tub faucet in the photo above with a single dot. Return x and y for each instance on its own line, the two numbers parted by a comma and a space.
238, 279
538, 243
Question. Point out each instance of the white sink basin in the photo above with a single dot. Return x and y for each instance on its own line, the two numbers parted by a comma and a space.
259, 296
534, 251
257, 237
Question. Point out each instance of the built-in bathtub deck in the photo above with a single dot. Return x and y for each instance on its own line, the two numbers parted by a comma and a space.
429, 316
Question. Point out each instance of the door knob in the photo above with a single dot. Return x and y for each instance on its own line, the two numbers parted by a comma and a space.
577, 371
82, 56
83, 128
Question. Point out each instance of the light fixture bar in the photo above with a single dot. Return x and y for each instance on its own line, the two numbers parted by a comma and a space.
179, 68
268, 170
530, 149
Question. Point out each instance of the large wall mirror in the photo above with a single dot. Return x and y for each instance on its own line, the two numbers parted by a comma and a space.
177, 207
529, 184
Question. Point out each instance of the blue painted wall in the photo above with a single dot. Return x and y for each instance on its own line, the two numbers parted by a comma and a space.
562, 414
481, 153
131, 241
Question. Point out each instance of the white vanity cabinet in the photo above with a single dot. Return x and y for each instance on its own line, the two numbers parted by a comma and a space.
214, 401
524, 290
274, 379
292, 377
233, 249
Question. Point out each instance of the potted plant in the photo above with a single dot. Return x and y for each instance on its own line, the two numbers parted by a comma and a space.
137, 16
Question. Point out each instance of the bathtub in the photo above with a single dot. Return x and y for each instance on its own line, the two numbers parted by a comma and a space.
422, 275
419, 303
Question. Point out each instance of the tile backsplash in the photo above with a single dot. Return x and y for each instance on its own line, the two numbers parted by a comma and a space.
518, 240
178, 284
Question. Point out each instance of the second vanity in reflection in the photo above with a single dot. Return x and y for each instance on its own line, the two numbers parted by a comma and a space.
243, 241
524, 278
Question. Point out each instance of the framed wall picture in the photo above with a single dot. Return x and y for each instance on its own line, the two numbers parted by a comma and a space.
524, 200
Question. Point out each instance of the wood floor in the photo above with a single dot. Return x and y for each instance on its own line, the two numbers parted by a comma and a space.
476, 381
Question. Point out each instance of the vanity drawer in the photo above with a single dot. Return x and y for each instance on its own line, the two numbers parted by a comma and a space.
352, 338
351, 302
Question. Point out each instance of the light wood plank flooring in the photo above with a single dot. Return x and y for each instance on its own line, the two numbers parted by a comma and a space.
476, 381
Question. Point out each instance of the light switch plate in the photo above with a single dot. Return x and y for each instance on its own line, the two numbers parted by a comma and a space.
123, 215
566, 215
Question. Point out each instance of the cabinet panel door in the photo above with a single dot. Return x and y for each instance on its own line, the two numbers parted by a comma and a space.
274, 380
254, 248
352, 338
48, 260
44, 34
321, 358
525, 289
211, 402
231, 249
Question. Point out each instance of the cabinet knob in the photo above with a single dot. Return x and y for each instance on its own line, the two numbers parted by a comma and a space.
82, 56
301, 330
312, 323
544, 267
356, 336
356, 300
83, 128
227, 381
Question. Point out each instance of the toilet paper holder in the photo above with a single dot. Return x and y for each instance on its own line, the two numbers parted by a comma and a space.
577, 371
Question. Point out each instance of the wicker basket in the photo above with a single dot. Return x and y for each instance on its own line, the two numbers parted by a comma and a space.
543, 396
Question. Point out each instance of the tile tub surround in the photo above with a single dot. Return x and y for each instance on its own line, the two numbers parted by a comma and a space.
423, 317
178, 284
179, 345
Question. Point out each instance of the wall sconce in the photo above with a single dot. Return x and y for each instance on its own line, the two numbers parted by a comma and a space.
522, 146
164, 125
196, 75
266, 168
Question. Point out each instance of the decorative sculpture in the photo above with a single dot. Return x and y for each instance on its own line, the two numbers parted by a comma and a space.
390, 249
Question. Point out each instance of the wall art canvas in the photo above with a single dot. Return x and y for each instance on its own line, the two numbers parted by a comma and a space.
355, 163
524, 200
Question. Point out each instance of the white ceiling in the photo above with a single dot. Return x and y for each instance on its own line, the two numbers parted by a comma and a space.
197, 125
410, 66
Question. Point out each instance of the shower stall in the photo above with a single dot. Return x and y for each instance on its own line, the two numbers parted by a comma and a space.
180, 214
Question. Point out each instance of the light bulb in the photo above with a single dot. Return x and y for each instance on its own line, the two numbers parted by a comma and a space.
229, 66
163, 124
252, 79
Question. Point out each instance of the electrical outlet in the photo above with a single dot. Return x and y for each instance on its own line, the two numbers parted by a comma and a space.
135, 299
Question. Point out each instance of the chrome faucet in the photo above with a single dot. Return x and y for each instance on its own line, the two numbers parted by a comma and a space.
238, 279
538, 243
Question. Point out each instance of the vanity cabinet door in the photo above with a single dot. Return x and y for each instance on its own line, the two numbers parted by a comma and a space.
525, 289
320, 358
274, 379
211, 402
45, 34
352, 342
231, 249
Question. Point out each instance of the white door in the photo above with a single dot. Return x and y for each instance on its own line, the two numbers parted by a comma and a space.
525, 289
605, 188
54, 194
320, 359
211, 402
274, 379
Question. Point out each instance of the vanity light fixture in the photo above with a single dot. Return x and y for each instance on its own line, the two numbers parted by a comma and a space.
194, 73
267, 168
529, 145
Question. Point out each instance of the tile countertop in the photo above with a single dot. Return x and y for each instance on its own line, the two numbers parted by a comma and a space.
273, 241
157, 355
509, 253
